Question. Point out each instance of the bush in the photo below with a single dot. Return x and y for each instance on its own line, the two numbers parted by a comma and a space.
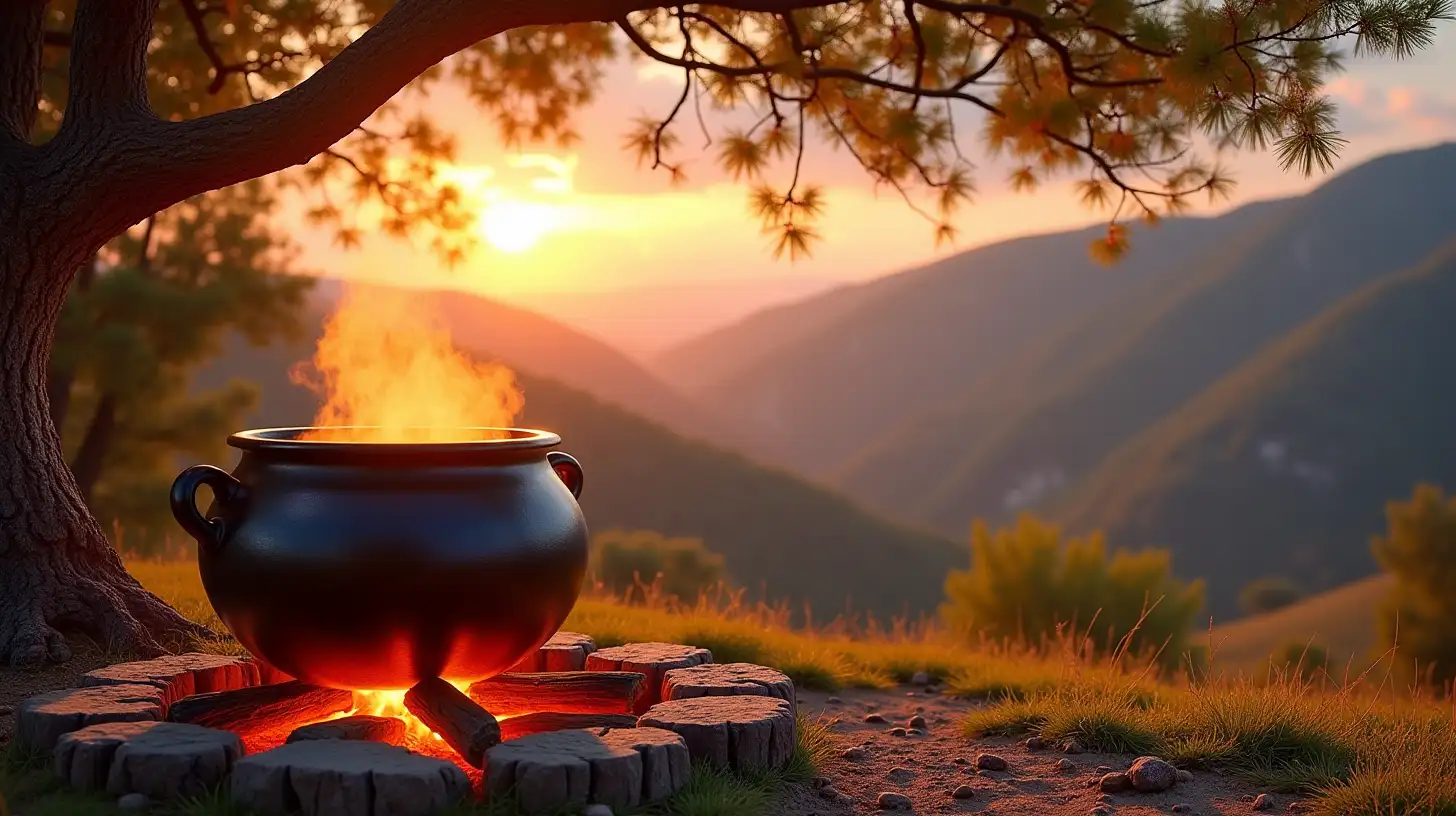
1419, 551
627, 563
1268, 594
1026, 583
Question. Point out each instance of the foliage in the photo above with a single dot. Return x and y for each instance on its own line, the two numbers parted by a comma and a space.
1419, 550
1026, 583
160, 303
1268, 594
1306, 662
625, 563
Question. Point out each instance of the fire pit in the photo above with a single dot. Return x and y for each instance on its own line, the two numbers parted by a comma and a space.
366, 565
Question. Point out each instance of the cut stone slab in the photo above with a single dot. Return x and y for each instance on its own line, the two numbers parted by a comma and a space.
179, 676
157, 759
653, 660
346, 778
729, 680
565, 651
41, 720
618, 767
357, 727
744, 733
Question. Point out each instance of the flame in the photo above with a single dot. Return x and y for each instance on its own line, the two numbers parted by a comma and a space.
390, 703
387, 368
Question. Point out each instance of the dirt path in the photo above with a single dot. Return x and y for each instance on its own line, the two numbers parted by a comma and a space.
928, 768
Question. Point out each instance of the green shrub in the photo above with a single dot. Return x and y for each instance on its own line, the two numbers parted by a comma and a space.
1419, 551
1025, 582
1268, 594
630, 564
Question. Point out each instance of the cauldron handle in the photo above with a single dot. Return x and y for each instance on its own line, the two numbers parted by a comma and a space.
225, 489
568, 469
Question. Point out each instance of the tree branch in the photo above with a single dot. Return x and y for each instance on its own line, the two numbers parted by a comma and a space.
21, 43
108, 78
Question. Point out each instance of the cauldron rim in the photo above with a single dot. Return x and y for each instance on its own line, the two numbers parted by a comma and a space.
286, 440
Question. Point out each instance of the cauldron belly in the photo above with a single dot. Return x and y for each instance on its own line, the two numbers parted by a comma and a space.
385, 620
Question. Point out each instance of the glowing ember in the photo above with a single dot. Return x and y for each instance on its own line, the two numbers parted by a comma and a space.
385, 363
391, 704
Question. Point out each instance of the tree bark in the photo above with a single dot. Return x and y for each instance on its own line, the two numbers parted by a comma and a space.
58, 573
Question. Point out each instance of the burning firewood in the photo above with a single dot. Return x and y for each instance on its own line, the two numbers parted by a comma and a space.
459, 720
607, 692
542, 721
261, 708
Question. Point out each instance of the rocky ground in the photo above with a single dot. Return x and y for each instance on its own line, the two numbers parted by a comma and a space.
883, 765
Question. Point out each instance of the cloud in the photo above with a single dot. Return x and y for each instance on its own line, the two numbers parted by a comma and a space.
1367, 109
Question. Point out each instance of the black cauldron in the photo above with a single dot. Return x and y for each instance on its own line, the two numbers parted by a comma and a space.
366, 565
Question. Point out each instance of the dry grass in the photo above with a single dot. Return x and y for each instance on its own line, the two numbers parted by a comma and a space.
1360, 747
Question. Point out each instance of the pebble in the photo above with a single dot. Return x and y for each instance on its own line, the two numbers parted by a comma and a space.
915, 732
990, 762
1105, 768
898, 771
1152, 775
829, 792
893, 801
853, 753
897, 732
1114, 782
963, 792
1072, 747
874, 718
134, 801
917, 721
1263, 802
821, 782
1092, 782
920, 679
909, 694
1295, 807
1181, 808
834, 701
1100, 811
1035, 744
6, 711
1064, 765
1184, 777
597, 809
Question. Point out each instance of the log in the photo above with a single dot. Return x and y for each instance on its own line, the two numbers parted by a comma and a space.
261, 708
459, 720
748, 734
652, 660
564, 770
565, 651
358, 727
582, 692
728, 680
541, 722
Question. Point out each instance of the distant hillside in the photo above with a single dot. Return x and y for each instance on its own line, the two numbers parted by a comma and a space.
540, 345
1287, 462
815, 381
1341, 621
799, 542
1052, 414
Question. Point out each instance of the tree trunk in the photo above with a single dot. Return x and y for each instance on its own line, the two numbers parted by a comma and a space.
58, 573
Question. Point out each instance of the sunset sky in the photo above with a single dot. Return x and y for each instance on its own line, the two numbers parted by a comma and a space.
589, 220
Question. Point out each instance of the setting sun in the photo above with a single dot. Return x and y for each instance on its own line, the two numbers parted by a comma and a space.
516, 226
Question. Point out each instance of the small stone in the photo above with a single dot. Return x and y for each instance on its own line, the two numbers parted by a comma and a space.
1100, 811
1104, 799
1181, 808
1263, 802
1104, 768
920, 678
1072, 747
964, 792
961, 761
898, 771
6, 711
853, 753
874, 718
1114, 782
1184, 777
915, 732
893, 801
1092, 782
845, 799
917, 721
597, 809
1295, 807
1152, 775
897, 732
829, 792
821, 782
834, 701
1066, 765
1035, 744
134, 802
990, 762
